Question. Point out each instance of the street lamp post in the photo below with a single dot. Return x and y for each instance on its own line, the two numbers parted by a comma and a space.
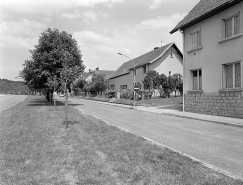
134, 77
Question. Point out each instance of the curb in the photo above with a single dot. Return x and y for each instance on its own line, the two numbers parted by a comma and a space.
111, 104
207, 165
171, 114
201, 119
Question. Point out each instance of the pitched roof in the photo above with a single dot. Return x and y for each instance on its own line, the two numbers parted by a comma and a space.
203, 10
142, 60
105, 72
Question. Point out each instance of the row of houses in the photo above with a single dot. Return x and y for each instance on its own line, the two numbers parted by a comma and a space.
211, 63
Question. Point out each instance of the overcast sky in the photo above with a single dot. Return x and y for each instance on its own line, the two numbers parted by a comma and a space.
102, 28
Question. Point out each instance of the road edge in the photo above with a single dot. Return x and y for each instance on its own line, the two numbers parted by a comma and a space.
207, 165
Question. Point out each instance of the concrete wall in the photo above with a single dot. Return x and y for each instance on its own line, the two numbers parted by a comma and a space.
229, 104
210, 59
163, 65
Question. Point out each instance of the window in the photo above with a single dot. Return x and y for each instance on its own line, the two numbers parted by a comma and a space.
197, 80
123, 86
232, 75
231, 26
195, 39
144, 69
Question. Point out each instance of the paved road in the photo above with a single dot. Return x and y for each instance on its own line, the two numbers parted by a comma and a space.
219, 145
9, 100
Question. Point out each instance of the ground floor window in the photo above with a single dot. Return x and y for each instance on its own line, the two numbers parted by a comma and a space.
197, 80
232, 75
123, 86
112, 87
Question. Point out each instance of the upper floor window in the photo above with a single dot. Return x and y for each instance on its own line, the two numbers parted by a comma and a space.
232, 75
144, 69
195, 38
231, 26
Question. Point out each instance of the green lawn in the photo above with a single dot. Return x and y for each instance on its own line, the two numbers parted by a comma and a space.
153, 102
36, 148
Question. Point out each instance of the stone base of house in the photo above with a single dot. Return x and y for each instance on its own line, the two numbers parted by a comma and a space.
229, 104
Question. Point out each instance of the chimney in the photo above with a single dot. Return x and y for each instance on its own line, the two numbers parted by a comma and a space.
156, 48
97, 69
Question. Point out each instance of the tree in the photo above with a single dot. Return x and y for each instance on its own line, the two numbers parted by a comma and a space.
151, 81
79, 83
170, 85
98, 84
178, 81
55, 63
163, 80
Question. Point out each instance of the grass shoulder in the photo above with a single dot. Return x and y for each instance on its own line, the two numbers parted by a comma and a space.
36, 148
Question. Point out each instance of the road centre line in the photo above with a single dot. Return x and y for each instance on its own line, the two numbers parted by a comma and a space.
6, 98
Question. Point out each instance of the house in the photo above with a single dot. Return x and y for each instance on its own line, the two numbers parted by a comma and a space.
166, 60
213, 58
89, 75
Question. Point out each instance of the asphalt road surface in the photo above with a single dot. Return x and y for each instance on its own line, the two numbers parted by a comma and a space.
9, 100
216, 144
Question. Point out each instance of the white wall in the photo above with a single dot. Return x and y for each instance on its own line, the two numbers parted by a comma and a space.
214, 53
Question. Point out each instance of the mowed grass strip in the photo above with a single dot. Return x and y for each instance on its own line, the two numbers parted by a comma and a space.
36, 148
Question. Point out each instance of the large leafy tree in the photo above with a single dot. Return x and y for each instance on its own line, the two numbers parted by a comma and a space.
55, 62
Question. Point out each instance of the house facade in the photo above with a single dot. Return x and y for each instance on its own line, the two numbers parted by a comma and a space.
213, 58
166, 60
89, 75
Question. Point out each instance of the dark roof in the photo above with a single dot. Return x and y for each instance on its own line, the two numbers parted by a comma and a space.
105, 72
203, 10
142, 60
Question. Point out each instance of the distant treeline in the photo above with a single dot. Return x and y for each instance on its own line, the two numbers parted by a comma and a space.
13, 87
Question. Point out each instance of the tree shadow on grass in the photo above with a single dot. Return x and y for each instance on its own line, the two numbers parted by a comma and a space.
69, 123
43, 102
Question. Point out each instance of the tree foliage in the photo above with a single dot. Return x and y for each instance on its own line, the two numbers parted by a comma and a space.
165, 85
98, 84
13, 87
151, 80
55, 62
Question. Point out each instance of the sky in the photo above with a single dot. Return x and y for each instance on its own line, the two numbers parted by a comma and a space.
102, 28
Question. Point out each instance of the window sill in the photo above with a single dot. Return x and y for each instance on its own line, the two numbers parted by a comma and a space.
195, 92
230, 90
195, 49
233, 37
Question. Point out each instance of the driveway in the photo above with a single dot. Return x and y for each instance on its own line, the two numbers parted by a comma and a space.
9, 100
219, 145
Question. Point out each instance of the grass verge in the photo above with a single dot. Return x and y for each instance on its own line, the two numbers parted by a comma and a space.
35, 148
154, 102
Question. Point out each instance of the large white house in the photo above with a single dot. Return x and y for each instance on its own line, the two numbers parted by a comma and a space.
166, 60
213, 58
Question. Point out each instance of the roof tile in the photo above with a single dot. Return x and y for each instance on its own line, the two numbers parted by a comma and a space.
139, 61
202, 8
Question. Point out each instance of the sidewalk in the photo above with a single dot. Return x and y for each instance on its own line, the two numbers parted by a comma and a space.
176, 110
